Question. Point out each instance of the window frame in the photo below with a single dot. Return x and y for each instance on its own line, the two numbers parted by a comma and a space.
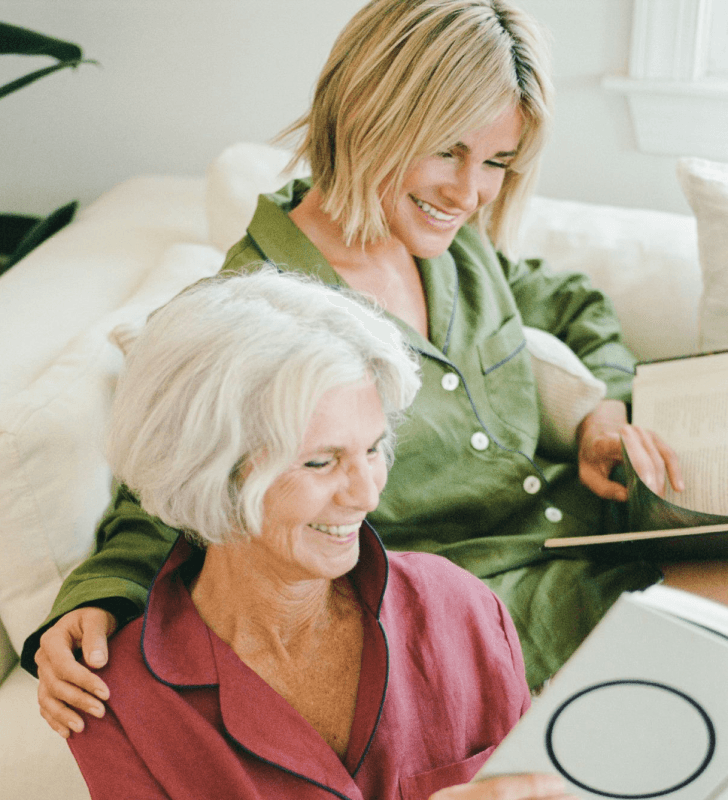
677, 106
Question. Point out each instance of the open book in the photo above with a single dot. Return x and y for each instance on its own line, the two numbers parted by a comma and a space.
639, 711
685, 401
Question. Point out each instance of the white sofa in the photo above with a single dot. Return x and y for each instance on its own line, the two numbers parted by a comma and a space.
139, 244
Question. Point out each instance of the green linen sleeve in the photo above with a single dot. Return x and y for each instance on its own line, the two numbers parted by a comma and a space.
131, 546
567, 305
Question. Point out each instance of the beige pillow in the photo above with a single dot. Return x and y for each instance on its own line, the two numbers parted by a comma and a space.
705, 184
567, 391
54, 479
234, 180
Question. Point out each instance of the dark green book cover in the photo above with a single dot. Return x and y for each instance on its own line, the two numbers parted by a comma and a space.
662, 531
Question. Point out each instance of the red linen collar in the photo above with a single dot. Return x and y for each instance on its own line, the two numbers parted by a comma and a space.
181, 651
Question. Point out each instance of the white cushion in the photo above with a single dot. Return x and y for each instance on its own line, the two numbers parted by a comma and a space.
54, 480
35, 762
645, 261
89, 269
705, 184
234, 181
567, 390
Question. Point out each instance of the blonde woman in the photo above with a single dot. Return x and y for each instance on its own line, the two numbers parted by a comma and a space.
424, 139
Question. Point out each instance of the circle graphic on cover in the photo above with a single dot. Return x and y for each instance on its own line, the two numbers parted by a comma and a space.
630, 739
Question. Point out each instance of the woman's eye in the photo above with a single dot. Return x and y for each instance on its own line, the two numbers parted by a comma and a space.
317, 464
497, 164
448, 154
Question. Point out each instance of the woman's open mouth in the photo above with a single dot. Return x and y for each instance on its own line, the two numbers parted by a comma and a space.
431, 211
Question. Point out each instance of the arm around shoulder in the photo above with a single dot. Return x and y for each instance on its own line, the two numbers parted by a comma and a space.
131, 546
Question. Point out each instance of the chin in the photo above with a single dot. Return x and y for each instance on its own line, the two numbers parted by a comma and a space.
426, 250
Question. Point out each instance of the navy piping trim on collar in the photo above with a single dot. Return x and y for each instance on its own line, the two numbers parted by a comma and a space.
386, 648
386, 570
506, 359
446, 346
289, 771
381, 703
263, 256
619, 367
452, 366
144, 631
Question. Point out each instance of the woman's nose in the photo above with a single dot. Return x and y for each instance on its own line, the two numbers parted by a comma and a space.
363, 486
474, 187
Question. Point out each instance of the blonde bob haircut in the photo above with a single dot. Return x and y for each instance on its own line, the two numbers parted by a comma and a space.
218, 390
407, 79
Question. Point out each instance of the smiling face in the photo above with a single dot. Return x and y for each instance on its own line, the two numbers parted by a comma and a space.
313, 511
441, 192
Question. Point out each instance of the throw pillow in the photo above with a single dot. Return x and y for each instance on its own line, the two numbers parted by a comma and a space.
54, 479
645, 261
234, 181
705, 184
567, 391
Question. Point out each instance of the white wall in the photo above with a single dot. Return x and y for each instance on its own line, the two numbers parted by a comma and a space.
182, 79
593, 154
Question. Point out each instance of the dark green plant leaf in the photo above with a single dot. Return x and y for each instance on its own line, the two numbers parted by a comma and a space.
20, 41
19, 83
13, 227
42, 231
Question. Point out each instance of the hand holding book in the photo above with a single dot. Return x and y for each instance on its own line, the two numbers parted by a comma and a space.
686, 401
600, 438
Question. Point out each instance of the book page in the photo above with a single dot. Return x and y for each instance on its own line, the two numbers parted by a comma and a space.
684, 368
687, 606
691, 415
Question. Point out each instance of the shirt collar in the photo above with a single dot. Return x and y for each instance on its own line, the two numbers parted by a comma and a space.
280, 240
180, 650
176, 643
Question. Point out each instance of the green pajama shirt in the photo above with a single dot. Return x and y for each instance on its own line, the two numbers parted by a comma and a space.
469, 481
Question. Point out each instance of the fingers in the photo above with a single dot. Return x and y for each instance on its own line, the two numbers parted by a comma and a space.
653, 459
59, 693
672, 464
601, 485
596, 463
64, 684
507, 787
94, 639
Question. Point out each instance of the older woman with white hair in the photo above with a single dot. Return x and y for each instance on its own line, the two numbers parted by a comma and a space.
282, 652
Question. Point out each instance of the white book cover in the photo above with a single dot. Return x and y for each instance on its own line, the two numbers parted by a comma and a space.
640, 710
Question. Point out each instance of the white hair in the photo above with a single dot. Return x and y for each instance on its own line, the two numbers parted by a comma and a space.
219, 388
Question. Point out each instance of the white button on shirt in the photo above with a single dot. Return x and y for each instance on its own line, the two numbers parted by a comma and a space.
479, 441
450, 381
531, 485
553, 514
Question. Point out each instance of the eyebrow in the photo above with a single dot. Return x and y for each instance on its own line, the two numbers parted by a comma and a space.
501, 154
332, 449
